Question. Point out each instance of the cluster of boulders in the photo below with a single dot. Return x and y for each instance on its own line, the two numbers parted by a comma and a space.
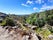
14, 33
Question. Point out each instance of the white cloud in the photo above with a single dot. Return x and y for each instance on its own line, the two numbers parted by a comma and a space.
29, 2
25, 5
39, 1
46, 7
35, 8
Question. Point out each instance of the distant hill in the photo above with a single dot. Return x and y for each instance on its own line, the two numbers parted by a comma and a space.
3, 14
20, 18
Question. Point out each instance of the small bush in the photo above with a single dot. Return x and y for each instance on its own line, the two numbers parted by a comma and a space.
43, 32
3, 23
8, 22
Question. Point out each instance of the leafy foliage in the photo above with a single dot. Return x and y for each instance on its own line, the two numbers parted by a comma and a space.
42, 18
8, 21
43, 32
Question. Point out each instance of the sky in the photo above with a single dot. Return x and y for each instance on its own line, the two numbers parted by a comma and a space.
25, 7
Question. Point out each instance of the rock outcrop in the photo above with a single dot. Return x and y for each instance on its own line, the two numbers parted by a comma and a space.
16, 34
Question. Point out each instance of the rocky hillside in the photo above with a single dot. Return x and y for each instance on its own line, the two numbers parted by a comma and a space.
16, 34
37, 26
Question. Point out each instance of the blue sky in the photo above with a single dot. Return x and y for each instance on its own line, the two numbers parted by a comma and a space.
24, 7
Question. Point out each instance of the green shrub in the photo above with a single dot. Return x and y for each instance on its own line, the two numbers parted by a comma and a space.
43, 32
50, 20
8, 22
3, 23
35, 20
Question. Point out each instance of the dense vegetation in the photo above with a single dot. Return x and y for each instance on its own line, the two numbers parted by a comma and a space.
8, 22
42, 18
